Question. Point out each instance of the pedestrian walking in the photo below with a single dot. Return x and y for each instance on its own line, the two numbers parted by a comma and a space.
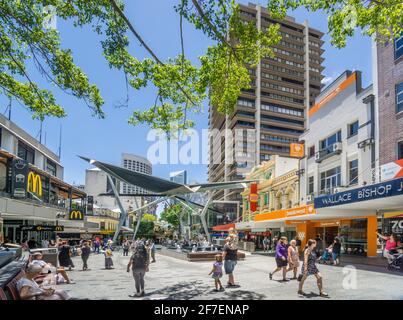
216, 272
65, 256
309, 268
85, 254
126, 247
281, 258
230, 257
97, 245
108, 259
293, 258
265, 243
153, 249
336, 250
45, 243
139, 262
32, 244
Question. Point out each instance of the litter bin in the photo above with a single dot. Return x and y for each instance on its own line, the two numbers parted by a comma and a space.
49, 255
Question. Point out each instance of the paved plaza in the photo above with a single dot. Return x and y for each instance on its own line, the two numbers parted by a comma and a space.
171, 278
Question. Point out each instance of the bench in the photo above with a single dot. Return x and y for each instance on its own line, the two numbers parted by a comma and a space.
2, 295
11, 286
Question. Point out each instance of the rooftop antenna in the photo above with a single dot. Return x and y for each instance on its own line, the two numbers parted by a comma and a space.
60, 142
9, 110
40, 132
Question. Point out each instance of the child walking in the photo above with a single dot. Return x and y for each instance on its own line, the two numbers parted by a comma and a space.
217, 272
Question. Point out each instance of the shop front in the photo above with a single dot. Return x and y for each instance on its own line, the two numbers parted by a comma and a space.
392, 223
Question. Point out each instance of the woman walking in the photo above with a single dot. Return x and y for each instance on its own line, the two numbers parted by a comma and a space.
281, 258
336, 250
65, 256
309, 268
293, 258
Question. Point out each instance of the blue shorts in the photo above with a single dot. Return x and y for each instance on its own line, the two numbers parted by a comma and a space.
229, 266
335, 255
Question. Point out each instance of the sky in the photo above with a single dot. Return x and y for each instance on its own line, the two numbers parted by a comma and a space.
106, 139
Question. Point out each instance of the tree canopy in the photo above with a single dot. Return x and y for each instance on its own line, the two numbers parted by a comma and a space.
181, 86
171, 215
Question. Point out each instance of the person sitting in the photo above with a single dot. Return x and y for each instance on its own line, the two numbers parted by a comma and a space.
48, 267
30, 290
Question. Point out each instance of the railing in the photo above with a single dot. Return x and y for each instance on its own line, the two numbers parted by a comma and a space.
329, 151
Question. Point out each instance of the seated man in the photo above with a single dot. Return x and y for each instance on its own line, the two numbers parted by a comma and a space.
30, 290
48, 267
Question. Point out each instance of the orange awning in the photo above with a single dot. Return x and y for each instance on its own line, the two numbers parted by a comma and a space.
224, 227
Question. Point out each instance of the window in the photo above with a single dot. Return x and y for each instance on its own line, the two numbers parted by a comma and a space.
310, 185
353, 171
51, 167
329, 141
400, 150
330, 179
25, 152
352, 129
399, 47
311, 151
399, 97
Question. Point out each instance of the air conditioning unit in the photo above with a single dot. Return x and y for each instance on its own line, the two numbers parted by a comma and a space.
337, 147
317, 155
337, 190
309, 198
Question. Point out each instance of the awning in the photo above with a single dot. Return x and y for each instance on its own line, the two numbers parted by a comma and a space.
224, 227
11, 216
395, 214
244, 225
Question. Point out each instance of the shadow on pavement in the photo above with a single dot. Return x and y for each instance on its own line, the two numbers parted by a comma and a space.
181, 291
243, 295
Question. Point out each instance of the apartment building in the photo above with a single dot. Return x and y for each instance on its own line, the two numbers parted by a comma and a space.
272, 114
137, 164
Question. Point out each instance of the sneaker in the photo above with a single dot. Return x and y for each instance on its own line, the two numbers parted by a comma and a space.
143, 293
323, 294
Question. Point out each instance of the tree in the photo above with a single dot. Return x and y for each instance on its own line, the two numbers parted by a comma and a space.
181, 87
171, 215
146, 227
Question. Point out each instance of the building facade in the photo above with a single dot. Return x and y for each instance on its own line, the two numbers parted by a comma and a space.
388, 81
35, 202
138, 164
272, 114
178, 176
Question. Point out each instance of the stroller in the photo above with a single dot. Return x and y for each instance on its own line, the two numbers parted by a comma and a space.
397, 262
326, 257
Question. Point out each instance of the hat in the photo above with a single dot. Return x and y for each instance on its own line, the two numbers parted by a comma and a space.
38, 253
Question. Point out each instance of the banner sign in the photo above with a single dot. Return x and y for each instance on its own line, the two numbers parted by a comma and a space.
42, 228
253, 197
297, 150
19, 178
375, 191
392, 170
35, 184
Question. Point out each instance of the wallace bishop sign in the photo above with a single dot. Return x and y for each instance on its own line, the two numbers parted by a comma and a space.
374, 191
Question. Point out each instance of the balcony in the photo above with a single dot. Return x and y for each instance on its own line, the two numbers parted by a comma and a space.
333, 149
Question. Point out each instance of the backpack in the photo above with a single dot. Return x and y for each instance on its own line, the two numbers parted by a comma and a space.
139, 257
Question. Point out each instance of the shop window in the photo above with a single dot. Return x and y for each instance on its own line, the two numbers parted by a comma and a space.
399, 47
330, 179
310, 185
353, 129
25, 152
400, 150
399, 97
311, 151
353, 171
353, 236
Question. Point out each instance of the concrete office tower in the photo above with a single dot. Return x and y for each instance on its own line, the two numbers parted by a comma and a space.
137, 164
178, 176
275, 108
388, 85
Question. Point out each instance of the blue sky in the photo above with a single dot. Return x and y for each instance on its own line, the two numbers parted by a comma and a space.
105, 139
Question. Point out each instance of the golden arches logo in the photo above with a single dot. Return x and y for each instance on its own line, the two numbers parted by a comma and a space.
35, 183
76, 215
58, 228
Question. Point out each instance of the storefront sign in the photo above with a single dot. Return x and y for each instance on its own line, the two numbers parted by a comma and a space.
19, 178
35, 184
392, 170
76, 215
280, 214
296, 150
38, 228
375, 191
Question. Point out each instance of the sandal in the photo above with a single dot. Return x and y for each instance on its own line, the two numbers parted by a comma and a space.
323, 294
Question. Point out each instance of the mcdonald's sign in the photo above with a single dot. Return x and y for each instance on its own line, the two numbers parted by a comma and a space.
76, 215
59, 228
35, 183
